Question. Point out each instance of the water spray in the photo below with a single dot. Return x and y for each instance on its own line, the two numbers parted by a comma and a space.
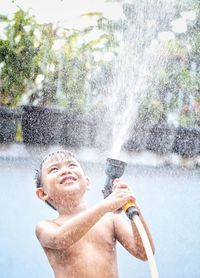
115, 169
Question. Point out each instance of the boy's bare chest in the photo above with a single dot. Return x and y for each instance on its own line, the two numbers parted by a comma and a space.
97, 241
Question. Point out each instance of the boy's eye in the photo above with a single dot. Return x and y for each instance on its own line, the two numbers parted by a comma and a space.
72, 165
53, 169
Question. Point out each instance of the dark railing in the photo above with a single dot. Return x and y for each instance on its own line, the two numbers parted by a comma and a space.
165, 139
46, 126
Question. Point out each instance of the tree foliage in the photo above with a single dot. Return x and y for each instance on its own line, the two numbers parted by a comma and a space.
172, 76
44, 64
17, 57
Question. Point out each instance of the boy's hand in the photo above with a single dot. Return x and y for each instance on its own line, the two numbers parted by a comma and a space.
120, 195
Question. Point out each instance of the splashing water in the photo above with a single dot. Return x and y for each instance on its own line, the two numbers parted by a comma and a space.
128, 111
128, 91
140, 58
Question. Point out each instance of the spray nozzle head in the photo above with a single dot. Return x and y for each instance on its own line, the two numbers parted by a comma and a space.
114, 169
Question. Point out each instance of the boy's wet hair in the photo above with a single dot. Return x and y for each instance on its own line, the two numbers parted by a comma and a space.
38, 175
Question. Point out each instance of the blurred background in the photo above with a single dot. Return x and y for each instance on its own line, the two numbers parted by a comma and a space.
107, 78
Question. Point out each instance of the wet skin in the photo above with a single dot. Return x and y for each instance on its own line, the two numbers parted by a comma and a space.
81, 242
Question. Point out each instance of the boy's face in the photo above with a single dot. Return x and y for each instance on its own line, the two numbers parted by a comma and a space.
63, 179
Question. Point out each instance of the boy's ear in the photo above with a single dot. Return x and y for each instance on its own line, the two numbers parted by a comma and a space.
40, 192
88, 187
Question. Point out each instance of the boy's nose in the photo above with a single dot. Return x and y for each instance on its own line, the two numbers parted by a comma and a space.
65, 170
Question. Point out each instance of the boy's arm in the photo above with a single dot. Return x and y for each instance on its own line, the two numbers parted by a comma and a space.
53, 236
128, 235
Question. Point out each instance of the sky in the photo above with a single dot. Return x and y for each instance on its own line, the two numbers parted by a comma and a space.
66, 12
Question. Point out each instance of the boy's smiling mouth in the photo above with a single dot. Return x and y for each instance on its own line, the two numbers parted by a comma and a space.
67, 179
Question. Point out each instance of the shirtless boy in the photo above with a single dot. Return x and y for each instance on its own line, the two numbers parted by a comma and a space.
81, 241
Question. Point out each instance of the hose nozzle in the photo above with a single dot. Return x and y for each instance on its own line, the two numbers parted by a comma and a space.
115, 169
